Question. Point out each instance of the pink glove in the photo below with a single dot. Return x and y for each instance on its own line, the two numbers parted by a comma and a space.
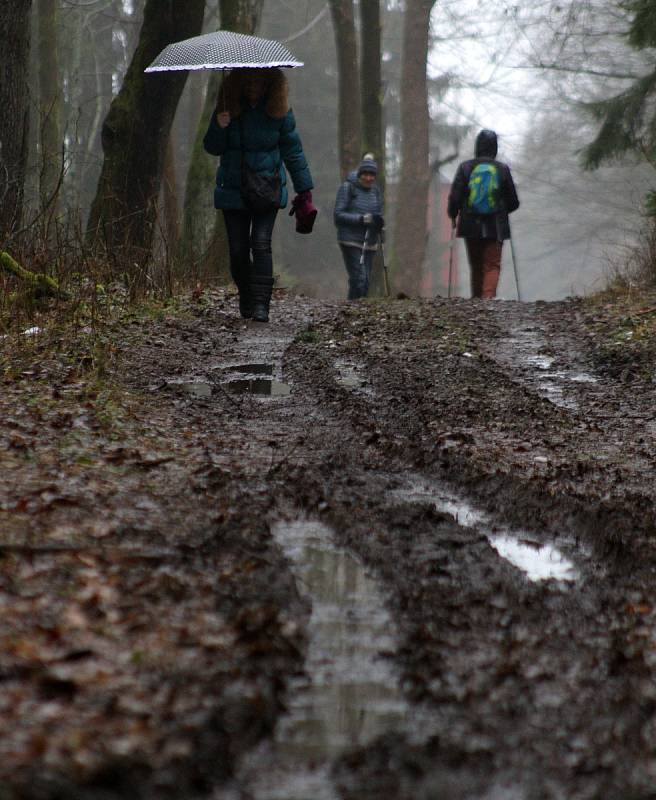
305, 211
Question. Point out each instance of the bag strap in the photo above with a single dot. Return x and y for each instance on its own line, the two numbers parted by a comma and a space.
351, 192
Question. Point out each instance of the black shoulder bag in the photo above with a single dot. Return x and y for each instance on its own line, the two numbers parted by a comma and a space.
260, 193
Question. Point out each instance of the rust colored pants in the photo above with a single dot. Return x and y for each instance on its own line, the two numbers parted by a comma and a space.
485, 264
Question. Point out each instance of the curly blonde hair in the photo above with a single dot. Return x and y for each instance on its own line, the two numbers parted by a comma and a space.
231, 93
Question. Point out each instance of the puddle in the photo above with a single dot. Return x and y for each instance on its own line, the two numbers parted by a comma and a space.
351, 694
582, 377
258, 386
254, 379
524, 347
347, 375
541, 362
195, 388
538, 561
252, 382
250, 369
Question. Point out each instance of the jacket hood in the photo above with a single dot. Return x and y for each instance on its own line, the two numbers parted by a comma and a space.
486, 144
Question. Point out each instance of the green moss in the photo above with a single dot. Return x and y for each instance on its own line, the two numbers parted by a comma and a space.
39, 284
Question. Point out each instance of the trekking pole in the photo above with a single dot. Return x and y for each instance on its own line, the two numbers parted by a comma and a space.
452, 242
364, 246
514, 260
382, 254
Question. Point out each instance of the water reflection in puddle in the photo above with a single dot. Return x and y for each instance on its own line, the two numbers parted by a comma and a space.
250, 369
537, 560
258, 386
252, 382
252, 379
351, 693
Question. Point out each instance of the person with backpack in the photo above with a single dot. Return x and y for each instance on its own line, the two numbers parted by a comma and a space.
359, 220
482, 196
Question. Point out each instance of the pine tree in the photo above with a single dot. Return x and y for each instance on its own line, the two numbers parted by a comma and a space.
628, 120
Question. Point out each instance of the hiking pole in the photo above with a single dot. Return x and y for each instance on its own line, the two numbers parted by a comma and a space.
382, 254
514, 260
452, 242
364, 245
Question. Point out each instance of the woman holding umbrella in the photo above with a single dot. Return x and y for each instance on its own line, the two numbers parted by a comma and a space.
254, 132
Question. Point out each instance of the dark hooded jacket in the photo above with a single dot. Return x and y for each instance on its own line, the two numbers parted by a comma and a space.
483, 226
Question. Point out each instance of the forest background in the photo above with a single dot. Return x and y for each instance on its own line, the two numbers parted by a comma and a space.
103, 177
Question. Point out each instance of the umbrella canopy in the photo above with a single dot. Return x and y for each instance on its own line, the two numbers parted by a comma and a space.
223, 50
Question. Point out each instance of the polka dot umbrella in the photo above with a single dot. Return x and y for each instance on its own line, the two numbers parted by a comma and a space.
223, 50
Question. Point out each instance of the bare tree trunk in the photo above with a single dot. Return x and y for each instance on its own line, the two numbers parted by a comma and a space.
170, 194
373, 140
14, 119
349, 85
97, 65
412, 199
242, 16
49, 106
197, 218
135, 135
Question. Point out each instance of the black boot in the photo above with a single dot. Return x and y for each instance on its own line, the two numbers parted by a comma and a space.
245, 300
261, 286
241, 274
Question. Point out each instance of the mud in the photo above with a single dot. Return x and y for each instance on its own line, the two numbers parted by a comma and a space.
440, 443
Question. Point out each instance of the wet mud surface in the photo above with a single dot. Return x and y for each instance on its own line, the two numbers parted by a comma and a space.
460, 491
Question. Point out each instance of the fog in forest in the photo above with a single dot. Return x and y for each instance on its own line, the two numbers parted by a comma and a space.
524, 69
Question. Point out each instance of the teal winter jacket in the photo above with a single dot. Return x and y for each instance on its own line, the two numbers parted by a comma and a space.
269, 145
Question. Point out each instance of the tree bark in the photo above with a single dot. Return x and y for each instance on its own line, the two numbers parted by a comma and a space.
373, 139
348, 124
14, 120
170, 196
412, 199
242, 16
135, 136
50, 134
98, 64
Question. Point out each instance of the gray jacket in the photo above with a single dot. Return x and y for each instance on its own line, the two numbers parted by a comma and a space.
352, 202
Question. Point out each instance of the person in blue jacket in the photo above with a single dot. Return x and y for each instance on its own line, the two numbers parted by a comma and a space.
253, 126
358, 216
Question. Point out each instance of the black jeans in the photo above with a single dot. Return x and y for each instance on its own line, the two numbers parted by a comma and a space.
359, 274
248, 232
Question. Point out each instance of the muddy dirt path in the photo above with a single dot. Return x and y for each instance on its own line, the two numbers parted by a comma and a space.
433, 525
538, 688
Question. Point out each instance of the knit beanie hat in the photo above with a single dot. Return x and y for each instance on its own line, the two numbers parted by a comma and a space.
368, 164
